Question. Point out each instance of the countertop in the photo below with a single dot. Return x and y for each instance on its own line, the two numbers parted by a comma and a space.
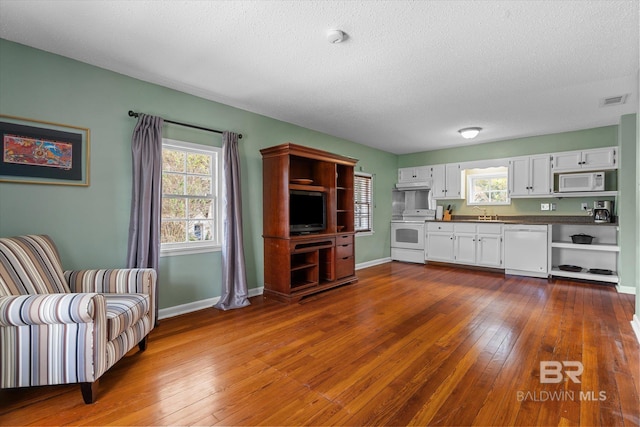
535, 219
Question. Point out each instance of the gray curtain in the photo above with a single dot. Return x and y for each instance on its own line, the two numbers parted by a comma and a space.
234, 277
146, 197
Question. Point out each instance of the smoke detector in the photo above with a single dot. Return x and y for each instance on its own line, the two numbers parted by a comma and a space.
614, 100
335, 36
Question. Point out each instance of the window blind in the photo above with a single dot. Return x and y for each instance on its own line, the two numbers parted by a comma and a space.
363, 196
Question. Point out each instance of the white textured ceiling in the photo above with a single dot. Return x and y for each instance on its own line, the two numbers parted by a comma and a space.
409, 76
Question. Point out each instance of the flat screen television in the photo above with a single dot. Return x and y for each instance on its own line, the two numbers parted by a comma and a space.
307, 211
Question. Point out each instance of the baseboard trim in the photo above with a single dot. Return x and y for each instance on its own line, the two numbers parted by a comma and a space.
165, 313
635, 324
626, 289
372, 263
177, 310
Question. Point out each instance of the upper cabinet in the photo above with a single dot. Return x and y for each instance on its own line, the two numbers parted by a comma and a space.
585, 160
530, 176
446, 181
415, 174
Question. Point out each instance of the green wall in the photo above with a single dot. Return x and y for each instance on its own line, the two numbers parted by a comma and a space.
90, 225
566, 141
627, 202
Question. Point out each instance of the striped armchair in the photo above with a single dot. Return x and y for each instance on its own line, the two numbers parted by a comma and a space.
67, 327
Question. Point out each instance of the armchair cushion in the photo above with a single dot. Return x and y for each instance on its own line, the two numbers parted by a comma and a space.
30, 265
51, 309
123, 311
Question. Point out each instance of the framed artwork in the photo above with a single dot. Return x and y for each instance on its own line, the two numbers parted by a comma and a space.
39, 152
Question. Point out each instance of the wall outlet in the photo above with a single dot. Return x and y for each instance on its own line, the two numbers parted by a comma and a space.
584, 206
544, 206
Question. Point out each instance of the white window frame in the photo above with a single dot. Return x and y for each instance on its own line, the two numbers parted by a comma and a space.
186, 248
470, 193
370, 231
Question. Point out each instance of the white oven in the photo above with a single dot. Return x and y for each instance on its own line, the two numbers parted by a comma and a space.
407, 241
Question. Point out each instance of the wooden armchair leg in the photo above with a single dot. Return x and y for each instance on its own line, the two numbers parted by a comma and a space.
89, 391
142, 345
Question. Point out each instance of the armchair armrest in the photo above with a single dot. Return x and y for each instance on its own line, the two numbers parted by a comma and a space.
50, 309
119, 280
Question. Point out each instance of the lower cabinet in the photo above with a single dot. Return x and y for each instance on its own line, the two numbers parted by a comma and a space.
465, 243
490, 249
440, 242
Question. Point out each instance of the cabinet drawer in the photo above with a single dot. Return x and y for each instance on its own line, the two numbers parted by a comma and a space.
345, 267
489, 228
344, 239
464, 228
343, 251
439, 226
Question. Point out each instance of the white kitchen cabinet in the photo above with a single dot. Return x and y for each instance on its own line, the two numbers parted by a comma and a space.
585, 160
601, 255
530, 176
489, 245
465, 243
440, 242
446, 181
414, 174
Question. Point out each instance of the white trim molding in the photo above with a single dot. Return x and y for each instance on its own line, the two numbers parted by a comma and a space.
626, 289
635, 324
165, 313
372, 263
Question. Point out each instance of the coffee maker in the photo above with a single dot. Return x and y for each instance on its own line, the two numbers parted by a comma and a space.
602, 211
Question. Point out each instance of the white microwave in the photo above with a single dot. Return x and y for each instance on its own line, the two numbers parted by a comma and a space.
587, 181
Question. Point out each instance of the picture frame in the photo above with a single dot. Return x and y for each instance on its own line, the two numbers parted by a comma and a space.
40, 152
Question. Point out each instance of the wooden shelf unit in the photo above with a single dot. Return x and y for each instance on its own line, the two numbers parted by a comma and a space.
299, 265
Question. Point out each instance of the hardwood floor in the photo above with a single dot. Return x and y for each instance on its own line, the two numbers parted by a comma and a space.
406, 345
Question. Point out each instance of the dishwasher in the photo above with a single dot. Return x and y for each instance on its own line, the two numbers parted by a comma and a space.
526, 250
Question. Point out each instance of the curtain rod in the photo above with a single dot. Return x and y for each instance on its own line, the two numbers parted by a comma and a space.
134, 114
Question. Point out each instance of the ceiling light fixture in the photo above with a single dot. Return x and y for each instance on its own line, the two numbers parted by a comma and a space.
335, 36
470, 133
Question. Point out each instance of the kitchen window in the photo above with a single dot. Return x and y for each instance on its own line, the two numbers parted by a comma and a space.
190, 219
488, 188
363, 197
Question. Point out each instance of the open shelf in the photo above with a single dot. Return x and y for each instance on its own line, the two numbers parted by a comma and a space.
602, 254
586, 194
305, 187
601, 247
585, 275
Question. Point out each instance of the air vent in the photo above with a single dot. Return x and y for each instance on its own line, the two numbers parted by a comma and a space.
613, 100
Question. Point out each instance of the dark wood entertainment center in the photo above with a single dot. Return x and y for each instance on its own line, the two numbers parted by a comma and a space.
297, 265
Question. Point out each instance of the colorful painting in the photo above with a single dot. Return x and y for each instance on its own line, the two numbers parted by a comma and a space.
37, 152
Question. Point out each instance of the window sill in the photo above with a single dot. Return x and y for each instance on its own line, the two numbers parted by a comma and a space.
364, 233
189, 250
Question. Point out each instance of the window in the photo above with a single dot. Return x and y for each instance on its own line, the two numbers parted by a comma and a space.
489, 188
363, 195
190, 205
